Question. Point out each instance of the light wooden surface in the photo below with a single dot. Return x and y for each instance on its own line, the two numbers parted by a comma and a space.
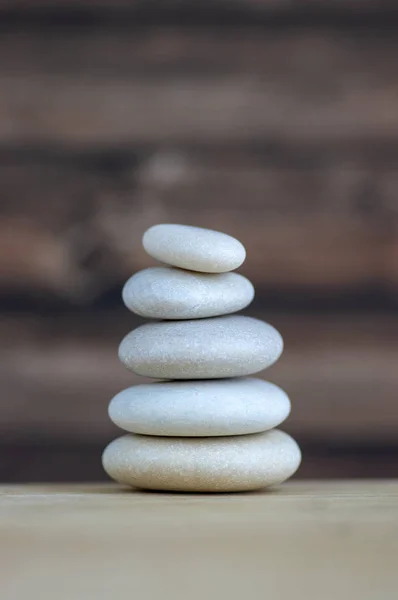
318, 540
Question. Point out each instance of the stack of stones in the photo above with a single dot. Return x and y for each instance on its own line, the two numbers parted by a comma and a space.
206, 426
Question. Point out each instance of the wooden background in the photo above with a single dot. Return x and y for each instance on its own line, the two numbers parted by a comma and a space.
276, 122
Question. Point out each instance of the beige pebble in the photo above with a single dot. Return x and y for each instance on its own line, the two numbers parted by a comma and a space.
218, 464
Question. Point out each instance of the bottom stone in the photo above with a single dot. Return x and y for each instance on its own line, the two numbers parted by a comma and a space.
225, 464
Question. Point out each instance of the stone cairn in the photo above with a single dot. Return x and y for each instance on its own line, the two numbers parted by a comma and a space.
205, 426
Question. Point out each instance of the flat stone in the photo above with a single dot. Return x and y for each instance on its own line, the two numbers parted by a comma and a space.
170, 293
228, 346
218, 464
200, 408
194, 248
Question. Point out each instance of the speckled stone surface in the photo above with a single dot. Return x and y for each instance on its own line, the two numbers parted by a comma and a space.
200, 408
194, 248
171, 293
229, 346
218, 464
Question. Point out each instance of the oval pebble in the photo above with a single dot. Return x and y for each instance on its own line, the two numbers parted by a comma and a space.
170, 293
219, 464
228, 346
194, 248
200, 408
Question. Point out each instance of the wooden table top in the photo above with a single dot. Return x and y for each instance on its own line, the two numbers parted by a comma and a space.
305, 540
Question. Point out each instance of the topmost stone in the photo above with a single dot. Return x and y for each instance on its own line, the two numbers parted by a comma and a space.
194, 248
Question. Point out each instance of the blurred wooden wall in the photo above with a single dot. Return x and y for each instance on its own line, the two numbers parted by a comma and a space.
275, 122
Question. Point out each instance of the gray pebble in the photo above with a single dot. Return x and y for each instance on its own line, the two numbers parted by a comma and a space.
228, 346
170, 293
194, 248
200, 408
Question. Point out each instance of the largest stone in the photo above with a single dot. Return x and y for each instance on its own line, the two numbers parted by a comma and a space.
215, 464
228, 346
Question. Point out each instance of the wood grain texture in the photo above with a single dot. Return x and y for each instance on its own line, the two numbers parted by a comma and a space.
96, 541
72, 226
58, 376
306, 7
161, 86
274, 121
